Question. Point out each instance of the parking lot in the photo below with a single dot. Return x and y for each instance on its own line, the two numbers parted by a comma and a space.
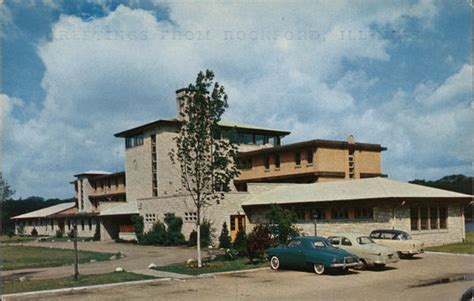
422, 278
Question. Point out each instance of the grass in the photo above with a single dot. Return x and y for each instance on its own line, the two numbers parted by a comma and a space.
10, 287
466, 247
20, 257
15, 239
217, 265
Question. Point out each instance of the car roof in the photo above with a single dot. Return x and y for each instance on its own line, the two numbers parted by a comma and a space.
350, 235
310, 238
389, 231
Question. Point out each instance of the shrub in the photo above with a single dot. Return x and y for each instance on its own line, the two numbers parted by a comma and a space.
230, 254
34, 232
282, 224
205, 235
10, 233
257, 241
59, 234
173, 232
240, 243
156, 236
20, 230
70, 234
224, 239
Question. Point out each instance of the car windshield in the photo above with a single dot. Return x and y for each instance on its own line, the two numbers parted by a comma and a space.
322, 244
364, 240
403, 236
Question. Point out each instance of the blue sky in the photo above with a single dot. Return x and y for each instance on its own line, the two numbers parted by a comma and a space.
75, 72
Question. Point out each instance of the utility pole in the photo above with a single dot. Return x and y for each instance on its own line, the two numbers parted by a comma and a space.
76, 255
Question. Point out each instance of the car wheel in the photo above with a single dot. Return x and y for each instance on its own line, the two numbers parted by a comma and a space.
318, 268
274, 263
362, 265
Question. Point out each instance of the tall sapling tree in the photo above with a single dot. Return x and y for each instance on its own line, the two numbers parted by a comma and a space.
206, 162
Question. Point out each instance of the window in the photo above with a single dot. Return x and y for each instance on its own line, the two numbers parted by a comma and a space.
443, 213
273, 140
190, 216
298, 158
245, 163
424, 218
259, 139
277, 160
133, 141
363, 213
334, 240
52, 224
246, 138
365, 240
266, 161
317, 213
346, 241
294, 244
300, 214
340, 213
309, 156
414, 218
82, 224
90, 224
150, 218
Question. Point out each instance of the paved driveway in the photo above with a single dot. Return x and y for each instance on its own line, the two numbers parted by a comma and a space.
137, 258
407, 280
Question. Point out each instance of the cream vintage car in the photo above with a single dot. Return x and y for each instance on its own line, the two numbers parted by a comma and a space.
398, 240
369, 253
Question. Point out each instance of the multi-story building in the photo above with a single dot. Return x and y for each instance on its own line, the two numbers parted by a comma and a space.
271, 172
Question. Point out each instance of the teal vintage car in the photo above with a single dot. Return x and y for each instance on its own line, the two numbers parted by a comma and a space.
313, 251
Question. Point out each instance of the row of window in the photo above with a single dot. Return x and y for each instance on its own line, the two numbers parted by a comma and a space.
108, 183
251, 138
247, 163
334, 213
133, 141
428, 218
50, 223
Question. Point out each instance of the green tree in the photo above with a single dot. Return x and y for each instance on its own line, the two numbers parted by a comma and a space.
205, 161
258, 241
224, 239
281, 223
240, 243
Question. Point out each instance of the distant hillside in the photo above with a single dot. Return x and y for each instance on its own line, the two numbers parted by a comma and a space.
457, 183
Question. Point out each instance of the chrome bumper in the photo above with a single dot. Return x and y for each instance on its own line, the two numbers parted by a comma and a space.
344, 265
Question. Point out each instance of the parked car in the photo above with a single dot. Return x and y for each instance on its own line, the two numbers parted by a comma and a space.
366, 249
398, 240
314, 251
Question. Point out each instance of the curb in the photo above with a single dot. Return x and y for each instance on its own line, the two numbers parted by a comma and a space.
82, 288
445, 253
232, 272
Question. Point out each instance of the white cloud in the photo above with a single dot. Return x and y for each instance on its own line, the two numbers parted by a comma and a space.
107, 74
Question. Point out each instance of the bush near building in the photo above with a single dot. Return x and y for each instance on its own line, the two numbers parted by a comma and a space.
240, 243
206, 235
224, 239
282, 224
257, 242
160, 234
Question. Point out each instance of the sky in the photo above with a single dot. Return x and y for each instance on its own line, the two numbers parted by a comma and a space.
397, 73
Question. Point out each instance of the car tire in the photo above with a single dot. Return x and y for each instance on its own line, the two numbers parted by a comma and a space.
318, 268
362, 265
274, 263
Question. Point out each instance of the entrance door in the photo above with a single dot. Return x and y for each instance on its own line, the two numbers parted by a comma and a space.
237, 223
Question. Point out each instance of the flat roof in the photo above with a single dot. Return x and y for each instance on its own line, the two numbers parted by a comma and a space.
345, 190
176, 122
45, 212
93, 173
124, 209
316, 143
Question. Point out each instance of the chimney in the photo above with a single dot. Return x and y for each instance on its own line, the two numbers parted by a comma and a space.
182, 96
351, 139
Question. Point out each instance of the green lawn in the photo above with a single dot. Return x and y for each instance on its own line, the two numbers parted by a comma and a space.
459, 248
20, 257
15, 239
218, 265
10, 287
